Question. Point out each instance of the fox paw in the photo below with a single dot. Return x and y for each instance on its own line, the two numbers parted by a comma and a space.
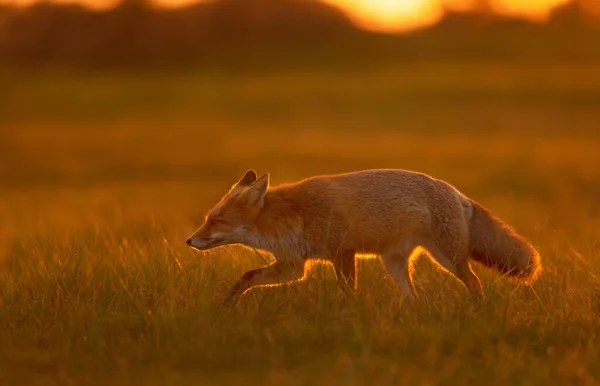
230, 302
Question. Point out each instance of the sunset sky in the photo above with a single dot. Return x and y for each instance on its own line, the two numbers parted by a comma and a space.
408, 14
393, 15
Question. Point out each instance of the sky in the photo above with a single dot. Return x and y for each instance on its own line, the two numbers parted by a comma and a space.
393, 15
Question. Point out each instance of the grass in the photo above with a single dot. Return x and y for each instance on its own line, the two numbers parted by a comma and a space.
103, 178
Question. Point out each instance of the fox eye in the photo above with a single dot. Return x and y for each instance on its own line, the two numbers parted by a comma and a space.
214, 222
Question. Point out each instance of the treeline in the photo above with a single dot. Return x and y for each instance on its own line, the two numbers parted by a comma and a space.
266, 32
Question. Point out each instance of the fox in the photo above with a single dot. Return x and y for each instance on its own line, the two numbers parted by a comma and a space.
391, 213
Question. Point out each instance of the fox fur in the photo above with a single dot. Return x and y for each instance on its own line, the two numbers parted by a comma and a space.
386, 212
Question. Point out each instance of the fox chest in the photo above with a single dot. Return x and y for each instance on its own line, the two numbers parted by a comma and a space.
288, 247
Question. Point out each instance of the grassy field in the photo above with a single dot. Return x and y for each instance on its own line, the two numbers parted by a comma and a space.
102, 178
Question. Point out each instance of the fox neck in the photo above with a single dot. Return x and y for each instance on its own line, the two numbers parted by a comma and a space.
278, 229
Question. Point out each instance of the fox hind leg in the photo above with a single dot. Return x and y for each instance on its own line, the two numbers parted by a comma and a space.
454, 258
466, 275
397, 263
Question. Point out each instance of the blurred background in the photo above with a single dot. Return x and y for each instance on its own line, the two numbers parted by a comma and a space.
113, 113
281, 34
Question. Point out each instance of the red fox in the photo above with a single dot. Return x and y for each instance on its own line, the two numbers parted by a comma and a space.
386, 212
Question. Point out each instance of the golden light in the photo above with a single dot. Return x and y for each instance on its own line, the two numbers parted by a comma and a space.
537, 10
176, 3
394, 15
592, 7
460, 5
402, 15
391, 15
93, 4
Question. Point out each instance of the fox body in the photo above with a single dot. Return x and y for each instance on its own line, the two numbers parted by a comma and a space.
382, 211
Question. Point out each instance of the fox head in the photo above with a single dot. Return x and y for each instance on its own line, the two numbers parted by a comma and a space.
231, 220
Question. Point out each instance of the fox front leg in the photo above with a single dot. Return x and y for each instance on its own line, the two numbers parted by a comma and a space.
278, 273
344, 264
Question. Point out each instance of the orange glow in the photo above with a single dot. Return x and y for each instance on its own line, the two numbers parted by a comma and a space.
177, 3
537, 10
460, 5
592, 7
393, 15
93, 4
399, 15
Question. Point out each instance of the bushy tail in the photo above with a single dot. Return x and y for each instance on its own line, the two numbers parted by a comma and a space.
496, 245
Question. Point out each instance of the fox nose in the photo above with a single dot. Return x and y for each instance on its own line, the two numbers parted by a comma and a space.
189, 241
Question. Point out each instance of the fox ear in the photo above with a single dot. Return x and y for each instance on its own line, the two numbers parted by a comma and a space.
247, 179
255, 194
